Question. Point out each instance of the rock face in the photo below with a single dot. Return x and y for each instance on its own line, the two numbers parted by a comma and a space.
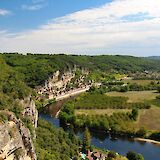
30, 110
15, 140
55, 83
60, 84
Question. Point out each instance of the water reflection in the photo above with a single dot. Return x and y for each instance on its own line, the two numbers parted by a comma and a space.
52, 109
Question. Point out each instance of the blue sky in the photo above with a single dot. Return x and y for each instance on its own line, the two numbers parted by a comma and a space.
80, 27
24, 16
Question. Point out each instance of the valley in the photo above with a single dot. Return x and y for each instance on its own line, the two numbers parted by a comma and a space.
80, 80
108, 102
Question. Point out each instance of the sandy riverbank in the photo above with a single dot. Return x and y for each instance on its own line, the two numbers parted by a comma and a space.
147, 140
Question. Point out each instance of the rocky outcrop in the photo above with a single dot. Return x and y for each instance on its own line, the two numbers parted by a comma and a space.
15, 137
30, 110
15, 140
55, 83
65, 83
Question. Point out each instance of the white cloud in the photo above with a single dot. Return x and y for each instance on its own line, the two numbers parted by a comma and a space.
36, 5
121, 27
4, 12
32, 7
38, 1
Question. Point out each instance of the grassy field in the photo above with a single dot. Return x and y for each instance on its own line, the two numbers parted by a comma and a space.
150, 119
140, 82
99, 111
136, 96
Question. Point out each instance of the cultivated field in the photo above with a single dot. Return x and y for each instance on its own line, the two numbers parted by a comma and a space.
140, 82
99, 111
150, 119
136, 96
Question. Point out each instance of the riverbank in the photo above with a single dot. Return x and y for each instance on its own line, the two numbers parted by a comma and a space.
147, 140
72, 93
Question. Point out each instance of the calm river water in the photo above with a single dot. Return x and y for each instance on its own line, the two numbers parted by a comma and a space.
120, 145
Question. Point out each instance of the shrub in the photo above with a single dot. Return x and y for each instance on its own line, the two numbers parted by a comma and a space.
112, 154
141, 132
134, 156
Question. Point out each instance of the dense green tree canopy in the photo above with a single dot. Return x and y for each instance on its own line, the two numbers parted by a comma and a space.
53, 143
35, 69
12, 88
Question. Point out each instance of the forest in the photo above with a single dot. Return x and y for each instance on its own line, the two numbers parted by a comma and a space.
36, 68
12, 88
60, 145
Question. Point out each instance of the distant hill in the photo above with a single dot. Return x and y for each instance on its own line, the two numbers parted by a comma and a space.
36, 68
154, 57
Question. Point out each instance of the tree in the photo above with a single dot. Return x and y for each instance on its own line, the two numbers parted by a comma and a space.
140, 157
142, 132
158, 97
158, 88
112, 154
124, 88
86, 139
155, 136
134, 114
134, 156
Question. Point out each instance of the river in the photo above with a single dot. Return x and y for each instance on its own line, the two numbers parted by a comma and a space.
121, 145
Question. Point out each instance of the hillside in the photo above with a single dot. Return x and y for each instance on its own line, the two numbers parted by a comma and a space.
12, 87
35, 69
18, 122
154, 57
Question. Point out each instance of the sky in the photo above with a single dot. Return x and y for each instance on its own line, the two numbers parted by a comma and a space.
92, 27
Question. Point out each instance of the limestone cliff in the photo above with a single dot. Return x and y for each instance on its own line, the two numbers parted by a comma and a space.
15, 139
61, 83
30, 110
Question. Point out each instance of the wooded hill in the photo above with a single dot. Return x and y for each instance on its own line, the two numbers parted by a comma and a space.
36, 68
20, 72
12, 89
154, 57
